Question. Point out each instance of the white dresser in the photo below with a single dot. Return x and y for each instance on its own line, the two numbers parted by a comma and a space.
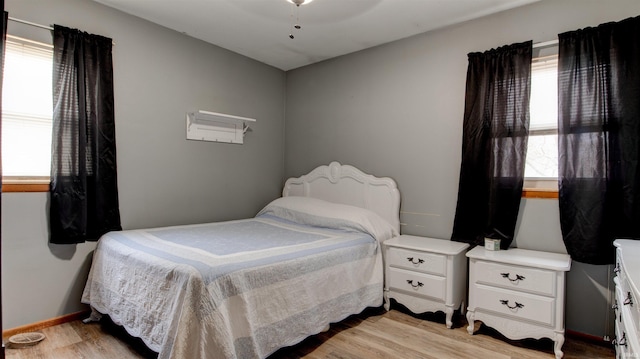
627, 313
520, 293
426, 274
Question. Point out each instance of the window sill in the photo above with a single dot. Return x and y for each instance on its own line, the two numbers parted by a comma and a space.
539, 193
543, 187
25, 184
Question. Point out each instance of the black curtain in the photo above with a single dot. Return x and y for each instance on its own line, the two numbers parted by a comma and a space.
84, 190
599, 138
494, 144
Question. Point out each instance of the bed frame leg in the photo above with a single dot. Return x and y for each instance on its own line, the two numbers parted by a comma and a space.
95, 316
387, 303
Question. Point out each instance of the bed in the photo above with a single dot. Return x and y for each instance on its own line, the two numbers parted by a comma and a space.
245, 288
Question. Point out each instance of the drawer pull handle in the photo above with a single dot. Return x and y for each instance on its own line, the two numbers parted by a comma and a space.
508, 276
411, 259
416, 286
628, 300
516, 306
616, 270
621, 342
615, 311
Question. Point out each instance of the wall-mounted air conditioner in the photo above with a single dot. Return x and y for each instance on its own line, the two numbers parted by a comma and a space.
218, 127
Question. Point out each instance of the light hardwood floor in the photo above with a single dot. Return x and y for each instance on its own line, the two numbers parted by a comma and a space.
372, 334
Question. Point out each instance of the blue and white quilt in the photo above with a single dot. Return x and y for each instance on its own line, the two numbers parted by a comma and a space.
245, 288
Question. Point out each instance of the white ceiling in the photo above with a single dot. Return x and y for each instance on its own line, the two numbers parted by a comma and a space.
260, 29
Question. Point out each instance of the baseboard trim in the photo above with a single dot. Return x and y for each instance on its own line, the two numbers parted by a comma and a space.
594, 339
46, 323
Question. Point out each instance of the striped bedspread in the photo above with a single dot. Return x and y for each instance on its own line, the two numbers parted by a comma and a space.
240, 289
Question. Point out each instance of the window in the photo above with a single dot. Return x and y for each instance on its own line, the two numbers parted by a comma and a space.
541, 169
26, 111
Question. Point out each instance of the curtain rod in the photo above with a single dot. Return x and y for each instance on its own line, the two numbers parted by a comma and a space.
545, 43
31, 23
536, 45
38, 25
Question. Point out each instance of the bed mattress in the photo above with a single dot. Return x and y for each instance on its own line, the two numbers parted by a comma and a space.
238, 289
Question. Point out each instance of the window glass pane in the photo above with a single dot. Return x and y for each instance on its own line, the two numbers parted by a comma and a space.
543, 107
542, 157
27, 109
542, 148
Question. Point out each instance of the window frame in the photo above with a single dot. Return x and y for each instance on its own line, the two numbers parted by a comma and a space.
27, 183
542, 187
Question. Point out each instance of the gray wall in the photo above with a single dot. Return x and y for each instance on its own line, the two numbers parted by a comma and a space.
163, 179
396, 110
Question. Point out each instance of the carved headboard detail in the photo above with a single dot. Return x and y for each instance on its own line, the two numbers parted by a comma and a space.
348, 185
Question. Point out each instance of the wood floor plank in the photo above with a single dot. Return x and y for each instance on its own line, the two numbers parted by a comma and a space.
385, 347
375, 347
373, 334
478, 346
431, 343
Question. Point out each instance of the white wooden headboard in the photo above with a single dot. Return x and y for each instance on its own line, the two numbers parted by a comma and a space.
348, 185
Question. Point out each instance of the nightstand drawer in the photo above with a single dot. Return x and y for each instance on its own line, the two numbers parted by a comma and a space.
417, 283
515, 304
627, 307
626, 343
417, 261
627, 280
518, 278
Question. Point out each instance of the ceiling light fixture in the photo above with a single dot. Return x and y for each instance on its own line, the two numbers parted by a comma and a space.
296, 24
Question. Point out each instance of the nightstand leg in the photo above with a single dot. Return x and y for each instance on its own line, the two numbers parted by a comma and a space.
448, 318
557, 348
463, 306
470, 319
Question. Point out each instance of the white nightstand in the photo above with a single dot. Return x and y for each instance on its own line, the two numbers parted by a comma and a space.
425, 274
520, 293
627, 280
